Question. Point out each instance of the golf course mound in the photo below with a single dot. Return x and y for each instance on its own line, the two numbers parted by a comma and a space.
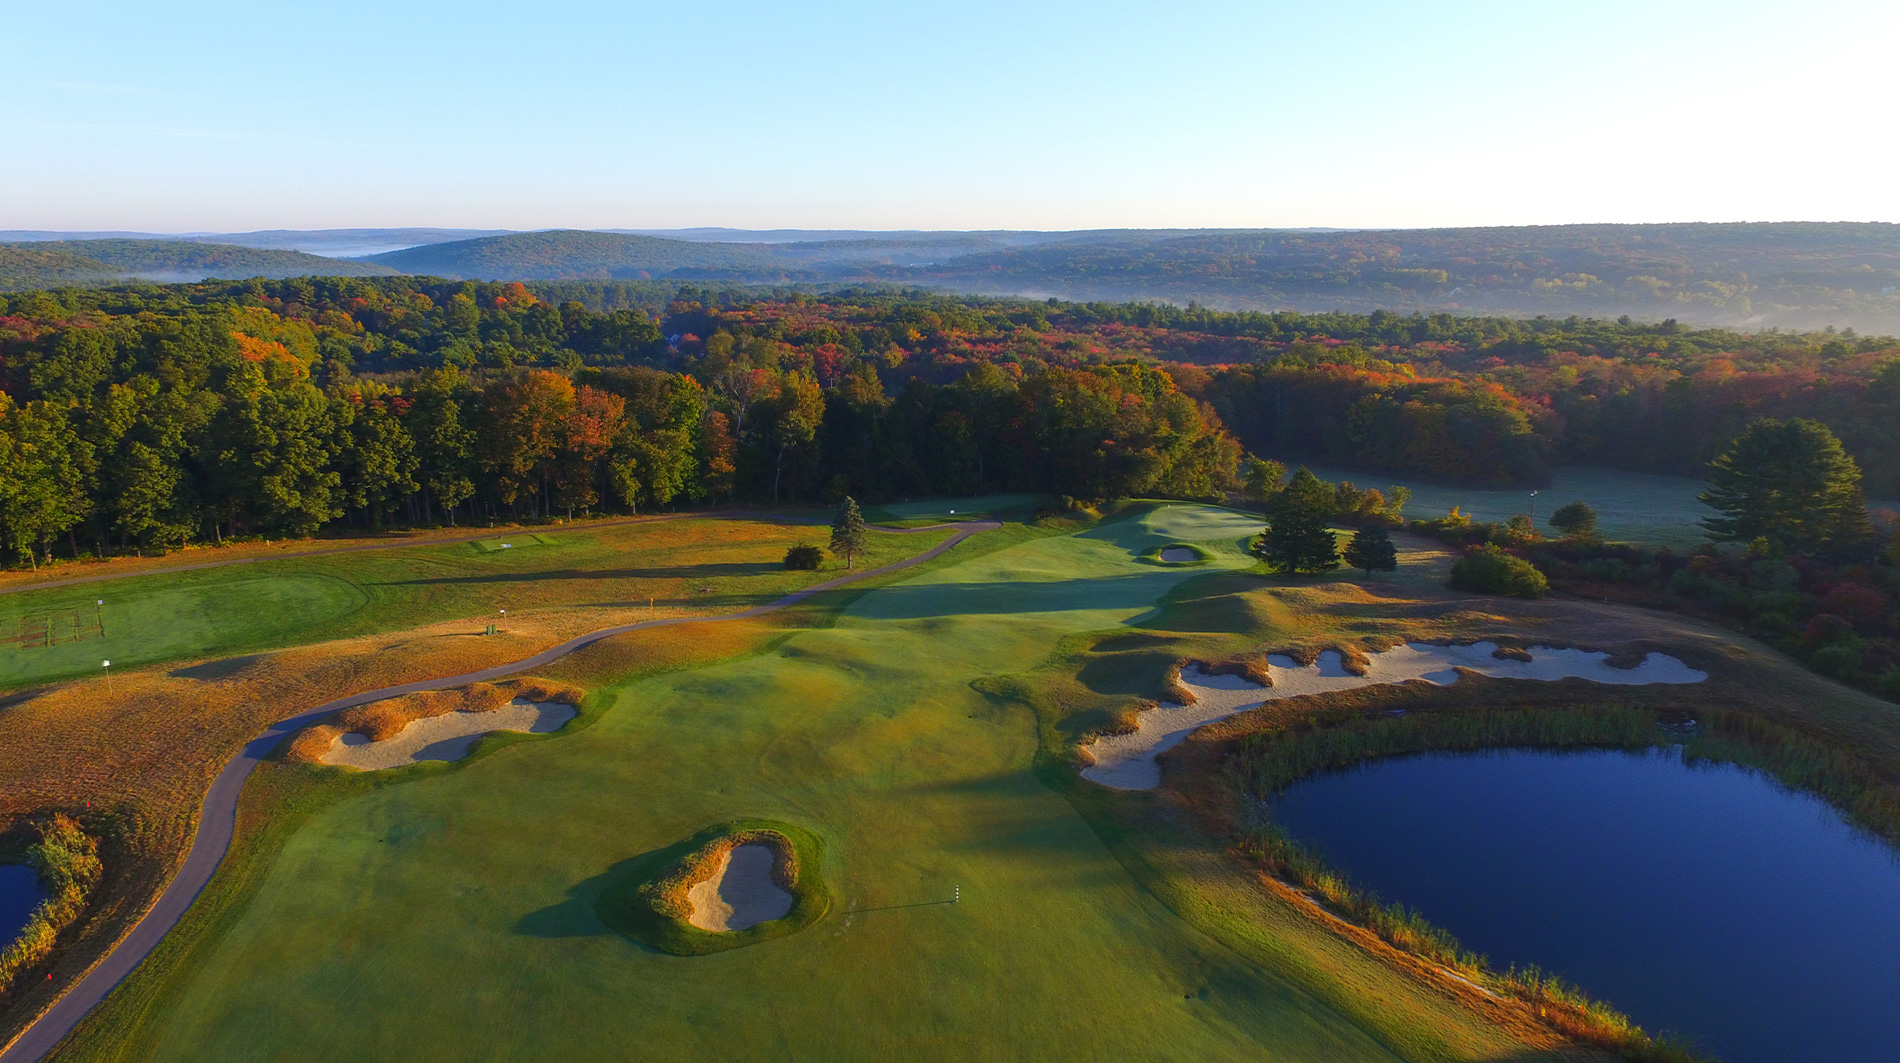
441, 725
1178, 554
1127, 761
727, 886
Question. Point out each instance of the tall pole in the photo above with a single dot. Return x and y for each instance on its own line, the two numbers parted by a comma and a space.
101, 607
1533, 511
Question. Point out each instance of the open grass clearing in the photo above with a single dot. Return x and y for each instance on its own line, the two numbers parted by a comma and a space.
688, 566
868, 730
1635, 506
940, 510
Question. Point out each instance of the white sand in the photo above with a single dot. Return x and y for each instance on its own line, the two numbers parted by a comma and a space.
740, 893
1179, 555
1127, 762
446, 737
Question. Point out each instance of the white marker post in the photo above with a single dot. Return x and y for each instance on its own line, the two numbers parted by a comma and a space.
107, 665
102, 617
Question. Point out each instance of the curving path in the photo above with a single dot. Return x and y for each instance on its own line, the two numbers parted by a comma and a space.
217, 819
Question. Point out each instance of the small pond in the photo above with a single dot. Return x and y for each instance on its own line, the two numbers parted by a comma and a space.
1702, 900
20, 893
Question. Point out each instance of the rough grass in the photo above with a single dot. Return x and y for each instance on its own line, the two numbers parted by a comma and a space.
649, 902
927, 731
867, 728
67, 860
681, 567
138, 752
1565, 1007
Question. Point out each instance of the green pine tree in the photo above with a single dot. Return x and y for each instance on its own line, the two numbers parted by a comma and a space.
1576, 520
848, 536
1297, 538
1372, 549
1790, 483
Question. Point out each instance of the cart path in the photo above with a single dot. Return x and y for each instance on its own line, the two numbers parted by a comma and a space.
217, 818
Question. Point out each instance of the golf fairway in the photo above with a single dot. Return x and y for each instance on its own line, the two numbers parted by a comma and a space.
452, 917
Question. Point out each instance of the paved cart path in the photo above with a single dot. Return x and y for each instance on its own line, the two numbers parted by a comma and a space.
217, 819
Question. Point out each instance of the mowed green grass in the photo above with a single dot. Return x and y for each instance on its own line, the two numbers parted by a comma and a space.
952, 509
167, 618
452, 917
702, 564
1634, 506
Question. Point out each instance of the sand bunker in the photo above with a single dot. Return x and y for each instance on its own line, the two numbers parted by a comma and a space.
1179, 555
445, 737
740, 893
1127, 761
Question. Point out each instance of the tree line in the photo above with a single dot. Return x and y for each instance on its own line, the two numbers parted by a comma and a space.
145, 414
242, 416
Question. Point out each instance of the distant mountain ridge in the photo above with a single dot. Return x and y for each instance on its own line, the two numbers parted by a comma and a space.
577, 254
1799, 275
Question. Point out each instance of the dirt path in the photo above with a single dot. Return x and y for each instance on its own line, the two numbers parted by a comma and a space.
217, 818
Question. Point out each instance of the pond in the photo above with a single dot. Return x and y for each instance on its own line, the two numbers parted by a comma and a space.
20, 893
1702, 900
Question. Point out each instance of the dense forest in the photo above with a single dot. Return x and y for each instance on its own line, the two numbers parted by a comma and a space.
148, 417
140, 416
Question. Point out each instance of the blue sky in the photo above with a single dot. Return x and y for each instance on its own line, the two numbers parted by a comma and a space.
229, 116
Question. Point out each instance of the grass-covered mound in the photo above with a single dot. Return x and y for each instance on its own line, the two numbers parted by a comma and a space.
651, 904
1178, 555
381, 721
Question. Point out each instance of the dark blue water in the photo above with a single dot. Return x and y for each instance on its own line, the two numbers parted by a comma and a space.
1703, 901
20, 893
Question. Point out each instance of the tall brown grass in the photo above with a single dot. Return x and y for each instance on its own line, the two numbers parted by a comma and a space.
382, 720
669, 894
67, 859
1565, 1007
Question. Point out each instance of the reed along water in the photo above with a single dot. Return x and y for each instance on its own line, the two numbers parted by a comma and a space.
1703, 900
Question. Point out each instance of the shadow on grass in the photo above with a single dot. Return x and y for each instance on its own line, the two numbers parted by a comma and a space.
1000, 597
223, 669
575, 916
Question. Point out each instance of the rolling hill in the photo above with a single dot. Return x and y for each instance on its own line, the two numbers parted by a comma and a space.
573, 254
1749, 275
1791, 275
54, 263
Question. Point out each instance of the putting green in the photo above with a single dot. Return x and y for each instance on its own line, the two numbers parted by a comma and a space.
454, 916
